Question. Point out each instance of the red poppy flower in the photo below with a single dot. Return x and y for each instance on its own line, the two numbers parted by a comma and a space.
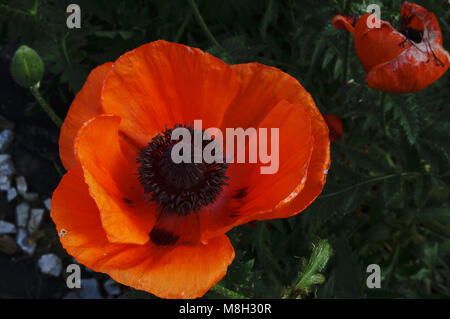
119, 211
401, 61
335, 126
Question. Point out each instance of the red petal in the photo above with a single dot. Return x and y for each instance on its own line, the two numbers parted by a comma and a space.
342, 22
86, 105
411, 71
113, 183
182, 271
163, 83
377, 45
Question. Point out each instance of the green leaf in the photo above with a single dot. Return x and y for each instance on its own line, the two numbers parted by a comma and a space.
338, 68
406, 113
364, 160
319, 258
422, 190
329, 55
421, 274
433, 213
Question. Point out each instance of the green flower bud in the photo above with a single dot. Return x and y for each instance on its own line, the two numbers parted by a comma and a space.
27, 68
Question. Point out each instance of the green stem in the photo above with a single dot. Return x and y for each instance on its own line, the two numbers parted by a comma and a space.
55, 118
5, 8
183, 26
33, 10
387, 156
227, 292
203, 25
348, 47
376, 179
64, 48
385, 125
58, 169
346, 57
438, 228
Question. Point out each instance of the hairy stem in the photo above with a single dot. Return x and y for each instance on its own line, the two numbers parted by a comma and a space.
55, 118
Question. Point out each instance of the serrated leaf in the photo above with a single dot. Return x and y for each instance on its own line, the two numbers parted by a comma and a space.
329, 55
351, 200
407, 115
338, 68
318, 48
364, 160
390, 188
422, 190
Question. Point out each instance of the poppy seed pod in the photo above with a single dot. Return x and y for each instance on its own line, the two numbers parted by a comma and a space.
27, 67
402, 61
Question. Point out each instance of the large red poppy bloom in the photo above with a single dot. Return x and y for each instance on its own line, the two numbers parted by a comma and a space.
118, 212
401, 61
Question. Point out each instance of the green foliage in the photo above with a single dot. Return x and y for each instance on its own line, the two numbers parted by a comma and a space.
310, 274
386, 200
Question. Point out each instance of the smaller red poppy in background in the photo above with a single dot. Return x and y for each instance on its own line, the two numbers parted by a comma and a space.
335, 126
402, 61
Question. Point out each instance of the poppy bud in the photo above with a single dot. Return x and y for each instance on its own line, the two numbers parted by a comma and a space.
27, 68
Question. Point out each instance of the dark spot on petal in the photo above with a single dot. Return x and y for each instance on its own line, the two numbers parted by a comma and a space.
126, 200
161, 237
234, 214
240, 193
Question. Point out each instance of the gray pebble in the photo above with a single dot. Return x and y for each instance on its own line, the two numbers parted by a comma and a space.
21, 185
50, 264
22, 213
111, 287
7, 228
22, 241
12, 194
6, 138
48, 203
5, 183
89, 289
31, 197
35, 219
6, 165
